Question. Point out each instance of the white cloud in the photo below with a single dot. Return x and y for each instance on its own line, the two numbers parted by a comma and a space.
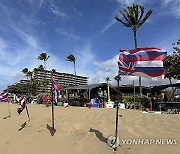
109, 68
171, 7
56, 10
77, 12
130, 2
166, 2
109, 25
84, 55
68, 34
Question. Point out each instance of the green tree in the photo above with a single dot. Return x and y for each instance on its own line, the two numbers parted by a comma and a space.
40, 68
44, 57
118, 79
53, 71
72, 58
134, 18
29, 76
108, 79
25, 71
172, 63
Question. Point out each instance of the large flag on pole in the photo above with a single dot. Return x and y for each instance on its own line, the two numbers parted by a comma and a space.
22, 104
56, 88
143, 62
4, 96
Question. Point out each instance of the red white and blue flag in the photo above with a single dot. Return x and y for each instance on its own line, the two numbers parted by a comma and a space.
143, 62
56, 89
22, 104
4, 96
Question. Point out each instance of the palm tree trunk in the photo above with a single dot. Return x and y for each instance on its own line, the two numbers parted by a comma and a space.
140, 79
75, 71
28, 86
45, 76
31, 86
135, 38
118, 84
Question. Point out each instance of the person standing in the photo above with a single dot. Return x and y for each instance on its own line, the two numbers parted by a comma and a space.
104, 98
100, 97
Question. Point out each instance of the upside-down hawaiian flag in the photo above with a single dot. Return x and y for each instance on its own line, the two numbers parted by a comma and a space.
4, 96
56, 89
22, 104
142, 62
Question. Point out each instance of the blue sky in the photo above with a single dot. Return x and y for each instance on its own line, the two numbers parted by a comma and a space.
85, 28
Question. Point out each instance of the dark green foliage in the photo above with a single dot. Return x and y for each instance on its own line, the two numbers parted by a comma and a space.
172, 63
144, 101
22, 88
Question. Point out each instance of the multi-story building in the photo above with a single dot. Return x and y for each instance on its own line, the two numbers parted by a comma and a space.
64, 79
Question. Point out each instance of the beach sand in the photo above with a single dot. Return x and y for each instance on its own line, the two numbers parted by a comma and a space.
84, 131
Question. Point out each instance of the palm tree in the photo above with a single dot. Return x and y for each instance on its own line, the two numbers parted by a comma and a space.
26, 72
108, 79
53, 71
72, 58
30, 75
44, 57
134, 18
40, 68
118, 79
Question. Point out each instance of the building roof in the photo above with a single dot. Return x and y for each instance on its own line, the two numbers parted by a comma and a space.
86, 87
161, 87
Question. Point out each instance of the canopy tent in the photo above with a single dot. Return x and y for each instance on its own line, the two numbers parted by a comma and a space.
88, 87
85, 87
161, 87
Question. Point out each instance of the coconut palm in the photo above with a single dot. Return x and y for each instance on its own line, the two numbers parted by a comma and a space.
118, 79
108, 79
44, 57
30, 75
40, 68
53, 71
27, 74
25, 71
72, 58
134, 18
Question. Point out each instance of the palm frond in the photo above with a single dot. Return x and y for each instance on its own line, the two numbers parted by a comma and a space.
142, 13
124, 23
145, 18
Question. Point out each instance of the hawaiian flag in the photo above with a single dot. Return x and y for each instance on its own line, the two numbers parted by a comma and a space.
4, 96
56, 88
22, 104
143, 62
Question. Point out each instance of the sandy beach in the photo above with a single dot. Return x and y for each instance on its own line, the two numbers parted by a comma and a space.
84, 131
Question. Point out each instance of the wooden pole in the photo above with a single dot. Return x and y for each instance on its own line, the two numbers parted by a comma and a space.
116, 133
52, 109
27, 112
134, 91
9, 108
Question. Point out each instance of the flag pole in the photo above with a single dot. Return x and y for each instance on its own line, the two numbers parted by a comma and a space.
52, 109
9, 109
27, 112
116, 133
